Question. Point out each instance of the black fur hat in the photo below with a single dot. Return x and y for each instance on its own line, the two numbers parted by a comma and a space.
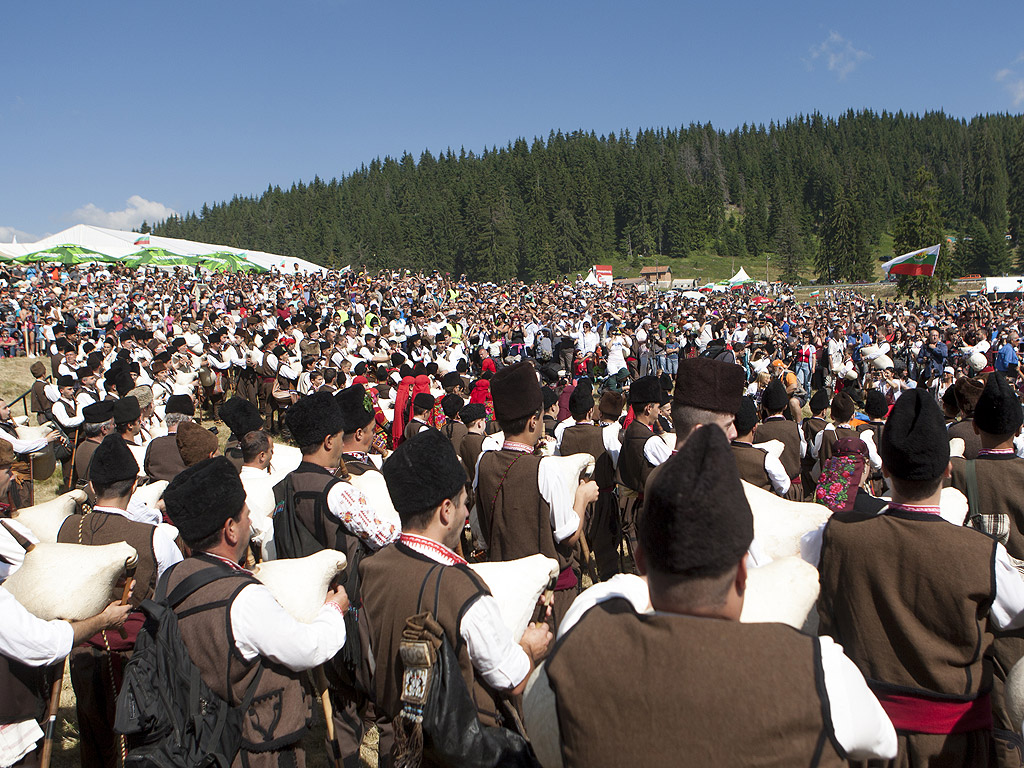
775, 397
241, 416
998, 410
915, 444
697, 522
352, 403
422, 472
313, 418
112, 461
203, 496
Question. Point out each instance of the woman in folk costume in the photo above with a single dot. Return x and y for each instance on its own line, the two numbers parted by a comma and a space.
403, 402
482, 394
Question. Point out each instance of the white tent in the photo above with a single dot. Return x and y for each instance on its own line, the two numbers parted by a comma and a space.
739, 277
118, 243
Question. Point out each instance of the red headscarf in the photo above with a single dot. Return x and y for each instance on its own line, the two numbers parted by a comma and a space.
403, 397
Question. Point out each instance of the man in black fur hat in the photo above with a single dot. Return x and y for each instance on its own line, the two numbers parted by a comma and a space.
357, 425
601, 440
241, 417
693, 540
113, 473
422, 405
876, 406
231, 623
918, 629
809, 429
524, 507
992, 484
163, 459
426, 481
775, 426
316, 510
756, 465
642, 450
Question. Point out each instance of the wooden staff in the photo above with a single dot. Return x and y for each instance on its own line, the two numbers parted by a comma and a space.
51, 717
325, 701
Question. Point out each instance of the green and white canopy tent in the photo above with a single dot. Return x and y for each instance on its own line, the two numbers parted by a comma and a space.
64, 254
117, 245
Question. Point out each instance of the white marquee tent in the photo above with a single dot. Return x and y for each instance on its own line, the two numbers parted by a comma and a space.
118, 243
739, 277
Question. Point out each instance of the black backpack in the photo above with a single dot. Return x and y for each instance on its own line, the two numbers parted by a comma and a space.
350, 667
174, 718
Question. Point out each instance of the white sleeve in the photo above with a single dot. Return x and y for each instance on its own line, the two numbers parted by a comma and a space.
348, 504
624, 585
803, 440
810, 545
61, 414
166, 551
816, 448
564, 520
777, 473
499, 659
612, 446
51, 392
1007, 610
12, 554
218, 364
656, 450
860, 724
262, 627
23, 446
29, 639
869, 440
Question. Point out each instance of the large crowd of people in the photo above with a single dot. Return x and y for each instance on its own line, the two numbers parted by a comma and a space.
461, 396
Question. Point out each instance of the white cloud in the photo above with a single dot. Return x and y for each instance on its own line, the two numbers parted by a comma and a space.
1012, 82
7, 235
138, 209
841, 56
1016, 89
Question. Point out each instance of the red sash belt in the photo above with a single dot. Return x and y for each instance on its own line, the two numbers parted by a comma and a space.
925, 714
566, 580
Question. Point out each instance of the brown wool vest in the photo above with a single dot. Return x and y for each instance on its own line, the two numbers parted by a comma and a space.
964, 429
356, 467
390, 589
788, 433
83, 457
39, 402
902, 615
469, 452
515, 518
750, 462
23, 691
811, 428
163, 459
589, 438
106, 528
633, 465
282, 707
314, 480
689, 691
830, 438
455, 431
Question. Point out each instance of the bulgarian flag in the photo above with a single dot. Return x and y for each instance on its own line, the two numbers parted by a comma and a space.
815, 292
144, 240
920, 262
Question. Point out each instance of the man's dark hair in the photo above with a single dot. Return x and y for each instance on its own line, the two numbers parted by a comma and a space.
330, 374
211, 541
253, 444
915, 490
116, 489
518, 426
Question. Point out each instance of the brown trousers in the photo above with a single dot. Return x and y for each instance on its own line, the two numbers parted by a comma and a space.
354, 714
96, 702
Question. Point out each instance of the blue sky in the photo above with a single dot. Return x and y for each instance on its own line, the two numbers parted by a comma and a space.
111, 112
